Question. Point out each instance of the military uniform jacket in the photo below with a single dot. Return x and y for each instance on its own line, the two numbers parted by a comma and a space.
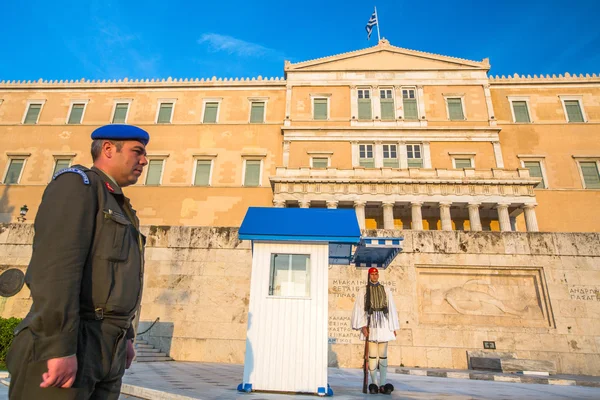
87, 261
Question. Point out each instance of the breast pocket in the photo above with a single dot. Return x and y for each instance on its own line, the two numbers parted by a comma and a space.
115, 238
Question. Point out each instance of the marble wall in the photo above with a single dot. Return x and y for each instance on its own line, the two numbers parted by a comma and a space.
536, 295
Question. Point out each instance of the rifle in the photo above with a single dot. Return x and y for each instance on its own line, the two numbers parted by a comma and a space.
366, 360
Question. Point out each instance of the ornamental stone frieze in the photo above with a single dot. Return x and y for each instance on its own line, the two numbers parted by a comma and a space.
413, 181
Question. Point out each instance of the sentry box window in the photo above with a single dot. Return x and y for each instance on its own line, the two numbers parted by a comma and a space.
290, 275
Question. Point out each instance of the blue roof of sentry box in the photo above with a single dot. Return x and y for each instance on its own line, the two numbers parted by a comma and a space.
300, 224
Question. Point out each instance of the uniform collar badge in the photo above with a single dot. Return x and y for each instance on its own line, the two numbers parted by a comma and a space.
110, 188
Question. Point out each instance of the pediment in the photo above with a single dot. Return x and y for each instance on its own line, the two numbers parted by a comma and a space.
385, 57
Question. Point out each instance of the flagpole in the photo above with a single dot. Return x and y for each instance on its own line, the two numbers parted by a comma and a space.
377, 17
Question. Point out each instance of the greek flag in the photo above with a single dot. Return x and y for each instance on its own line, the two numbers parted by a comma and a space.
372, 22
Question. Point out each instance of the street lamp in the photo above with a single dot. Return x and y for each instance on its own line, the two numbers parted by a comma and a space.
22, 213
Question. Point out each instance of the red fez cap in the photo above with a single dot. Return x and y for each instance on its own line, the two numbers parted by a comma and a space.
373, 270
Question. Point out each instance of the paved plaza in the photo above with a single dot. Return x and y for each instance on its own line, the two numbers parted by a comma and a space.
206, 381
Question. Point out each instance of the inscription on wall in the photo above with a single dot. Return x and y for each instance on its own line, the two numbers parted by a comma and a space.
588, 293
350, 287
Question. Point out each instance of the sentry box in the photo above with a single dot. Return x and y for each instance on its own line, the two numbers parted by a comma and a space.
292, 248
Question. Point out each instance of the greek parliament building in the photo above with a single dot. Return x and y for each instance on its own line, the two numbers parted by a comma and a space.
427, 147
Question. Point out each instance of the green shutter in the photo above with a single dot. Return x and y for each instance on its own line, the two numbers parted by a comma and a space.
573, 111
252, 177
415, 163
590, 175
76, 113
257, 112
154, 172
387, 109
202, 177
462, 163
521, 112
14, 170
455, 110
320, 162
210, 113
390, 162
535, 170
60, 165
320, 109
410, 109
364, 109
164, 113
33, 113
120, 113
367, 162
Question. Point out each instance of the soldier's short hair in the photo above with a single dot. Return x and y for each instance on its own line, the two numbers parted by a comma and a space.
97, 147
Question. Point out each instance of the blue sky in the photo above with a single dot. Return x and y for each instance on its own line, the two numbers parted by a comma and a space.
108, 39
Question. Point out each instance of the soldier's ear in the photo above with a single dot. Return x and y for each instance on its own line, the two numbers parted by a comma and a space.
108, 148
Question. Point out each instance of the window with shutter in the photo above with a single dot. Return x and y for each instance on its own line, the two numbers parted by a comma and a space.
409, 103
390, 156
413, 153
60, 164
535, 170
33, 113
164, 113
320, 162
365, 157
463, 163
210, 112
202, 177
120, 115
521, 112
154, 172
591, 178
13, 174
387, 104
364, 104
257, 112
320, 108
574, 113
76, 114
455, 110
252, 177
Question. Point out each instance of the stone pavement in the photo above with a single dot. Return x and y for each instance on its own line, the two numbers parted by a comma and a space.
187, 380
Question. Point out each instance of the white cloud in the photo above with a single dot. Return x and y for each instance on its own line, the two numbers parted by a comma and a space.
231, 45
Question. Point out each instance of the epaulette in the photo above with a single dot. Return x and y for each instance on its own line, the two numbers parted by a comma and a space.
86, 180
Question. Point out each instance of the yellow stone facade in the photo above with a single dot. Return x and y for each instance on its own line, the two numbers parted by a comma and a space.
335, 132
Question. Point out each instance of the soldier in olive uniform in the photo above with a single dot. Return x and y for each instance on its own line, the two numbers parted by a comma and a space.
85, 277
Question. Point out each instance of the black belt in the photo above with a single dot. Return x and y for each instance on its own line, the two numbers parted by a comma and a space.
99, 314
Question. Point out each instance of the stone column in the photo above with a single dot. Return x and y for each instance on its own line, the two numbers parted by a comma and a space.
388, 215
332, 204
359, 207
503, 217
530, 218
474, 219
279, 203
304, 203
445, 216
417, 216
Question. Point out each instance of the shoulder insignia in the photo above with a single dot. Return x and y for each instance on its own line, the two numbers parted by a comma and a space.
110, 188
86, 180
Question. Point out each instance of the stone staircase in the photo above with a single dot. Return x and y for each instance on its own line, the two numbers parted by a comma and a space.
145, 352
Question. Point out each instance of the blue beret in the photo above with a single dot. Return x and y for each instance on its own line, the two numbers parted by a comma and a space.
121, 132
